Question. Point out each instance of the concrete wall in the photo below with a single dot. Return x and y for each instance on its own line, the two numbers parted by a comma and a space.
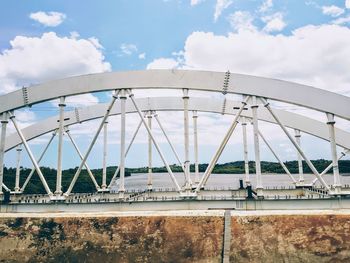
190, 236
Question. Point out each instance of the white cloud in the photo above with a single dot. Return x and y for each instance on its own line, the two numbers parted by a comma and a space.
266, 5
163, 63
332, 10
341, 20
142, 56
241, 20
347, 4
128, 49
50, 19
220, 6
274, 23
32, 60
314, 55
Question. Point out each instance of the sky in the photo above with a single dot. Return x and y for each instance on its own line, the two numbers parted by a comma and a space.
304, 41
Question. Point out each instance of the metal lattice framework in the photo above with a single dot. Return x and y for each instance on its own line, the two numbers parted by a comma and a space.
256, 93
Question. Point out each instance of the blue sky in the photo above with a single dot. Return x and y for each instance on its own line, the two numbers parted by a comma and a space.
303, 41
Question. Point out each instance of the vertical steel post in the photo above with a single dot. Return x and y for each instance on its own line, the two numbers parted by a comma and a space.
60, 147
81, 158
187, 140
31, 156
222, 146
104, 164
149, 178
195, 139
336, 183
126, 153
259, 186
39, 160
122, 97
4, 122
76, 175
245, 151
178, 188
300, 160
18, 168
308, 162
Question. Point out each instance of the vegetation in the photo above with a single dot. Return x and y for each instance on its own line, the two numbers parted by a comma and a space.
85, 185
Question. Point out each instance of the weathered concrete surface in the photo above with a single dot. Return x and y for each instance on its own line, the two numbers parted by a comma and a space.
181, 236
111, 239
291, 238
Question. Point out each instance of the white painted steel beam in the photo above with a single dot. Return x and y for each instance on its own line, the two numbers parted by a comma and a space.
76, 175
336, 181
61, 106
126, 153
104, 161
178, 188
31, 156
279, 90
4, 122
300, 159
185, 98
309, 163
245, 150
221, 147
39, 160
195, 145
18, 168
277, 158
92, 177
122, 98
288, 119
259, 186
149, 177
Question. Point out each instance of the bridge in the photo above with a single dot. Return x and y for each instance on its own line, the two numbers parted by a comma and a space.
256, 95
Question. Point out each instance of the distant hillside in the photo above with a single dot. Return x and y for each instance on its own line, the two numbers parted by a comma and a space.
85, 185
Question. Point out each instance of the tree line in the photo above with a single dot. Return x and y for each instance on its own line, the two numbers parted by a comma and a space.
85, 185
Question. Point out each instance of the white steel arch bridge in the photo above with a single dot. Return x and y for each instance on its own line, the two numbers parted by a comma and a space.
254, 106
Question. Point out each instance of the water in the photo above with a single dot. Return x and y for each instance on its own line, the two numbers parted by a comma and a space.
163, 180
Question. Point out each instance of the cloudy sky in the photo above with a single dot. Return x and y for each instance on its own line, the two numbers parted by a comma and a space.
304, 41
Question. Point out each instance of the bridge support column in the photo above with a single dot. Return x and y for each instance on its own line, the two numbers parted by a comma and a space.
300, 160
195, 139
31, 156
168, 140
126, 154
259, 186
18, 168
178, 188
4, 122
81, 158
122, 97
104, 162
60, 147
39, 160
309, 163
76, 175
245, 150
187, 141
149, 178
222, 146
336, 183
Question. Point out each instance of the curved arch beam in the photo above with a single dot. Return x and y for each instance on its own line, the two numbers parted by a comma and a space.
291, 120
279, 90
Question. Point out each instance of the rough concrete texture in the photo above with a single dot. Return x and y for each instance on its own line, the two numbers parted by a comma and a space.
111, 239
290, 238
256, 237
